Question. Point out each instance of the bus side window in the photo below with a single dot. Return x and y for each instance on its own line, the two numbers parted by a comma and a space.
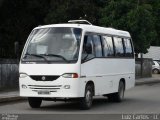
107, 46
97, 45
128, 47
119, 47
88, 47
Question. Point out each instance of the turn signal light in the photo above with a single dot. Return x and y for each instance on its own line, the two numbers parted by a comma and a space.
22, 75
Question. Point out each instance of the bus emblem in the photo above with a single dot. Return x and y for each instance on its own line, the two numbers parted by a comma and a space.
43, 78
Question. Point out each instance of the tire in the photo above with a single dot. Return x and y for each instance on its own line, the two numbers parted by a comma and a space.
34, 102
155, 71
86, 101
119, 96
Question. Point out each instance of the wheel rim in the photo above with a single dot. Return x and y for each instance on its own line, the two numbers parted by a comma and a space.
155, 71
89, 98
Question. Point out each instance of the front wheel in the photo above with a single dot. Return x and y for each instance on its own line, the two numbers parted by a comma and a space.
86, 101
34, 102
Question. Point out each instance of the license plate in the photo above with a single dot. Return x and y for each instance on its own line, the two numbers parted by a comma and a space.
44, 92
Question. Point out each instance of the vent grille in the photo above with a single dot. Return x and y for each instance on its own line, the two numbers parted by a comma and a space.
52, 88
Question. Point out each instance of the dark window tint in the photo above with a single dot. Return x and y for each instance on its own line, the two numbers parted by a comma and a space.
107, 46
97, 45
88, 51
119, 47
128, 47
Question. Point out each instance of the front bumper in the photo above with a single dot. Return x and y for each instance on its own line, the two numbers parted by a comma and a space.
60, 88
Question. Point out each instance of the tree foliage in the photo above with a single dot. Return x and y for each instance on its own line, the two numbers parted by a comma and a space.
134, 17
62, 11
139, 17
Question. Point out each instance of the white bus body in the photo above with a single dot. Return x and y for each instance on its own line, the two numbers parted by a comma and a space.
101, 65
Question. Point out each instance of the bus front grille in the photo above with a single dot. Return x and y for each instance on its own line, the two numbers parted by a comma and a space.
52, 88
44, 77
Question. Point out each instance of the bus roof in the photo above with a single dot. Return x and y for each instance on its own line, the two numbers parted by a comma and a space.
90, 28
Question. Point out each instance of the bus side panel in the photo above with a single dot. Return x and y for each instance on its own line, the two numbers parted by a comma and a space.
107, 72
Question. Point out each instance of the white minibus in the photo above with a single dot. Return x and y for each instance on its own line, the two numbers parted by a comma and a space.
76, 61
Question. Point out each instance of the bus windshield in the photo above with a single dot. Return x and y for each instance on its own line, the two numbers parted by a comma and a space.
58, 44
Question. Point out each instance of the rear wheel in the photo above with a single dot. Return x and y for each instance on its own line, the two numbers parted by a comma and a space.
119, 96
34, 102
86, 101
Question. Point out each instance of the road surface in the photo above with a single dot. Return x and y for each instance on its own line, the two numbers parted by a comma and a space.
143, 99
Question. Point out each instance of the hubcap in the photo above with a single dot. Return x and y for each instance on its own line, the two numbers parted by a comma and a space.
155, 71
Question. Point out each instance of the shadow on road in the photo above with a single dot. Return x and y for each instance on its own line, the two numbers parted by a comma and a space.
70, 106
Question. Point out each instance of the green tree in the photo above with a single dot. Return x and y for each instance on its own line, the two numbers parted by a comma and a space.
62, 11
18, 18
156, 13
141, 25
114, 14
139, 17
135, 17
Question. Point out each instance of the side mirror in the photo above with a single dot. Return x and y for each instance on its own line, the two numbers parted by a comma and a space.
88, 48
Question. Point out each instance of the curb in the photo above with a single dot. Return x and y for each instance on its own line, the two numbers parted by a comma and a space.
10, 99
146, 82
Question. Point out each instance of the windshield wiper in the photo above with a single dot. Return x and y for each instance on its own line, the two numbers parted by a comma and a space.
36, 55
59, 56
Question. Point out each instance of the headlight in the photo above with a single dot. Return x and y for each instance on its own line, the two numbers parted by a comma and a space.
22, 75
70, 75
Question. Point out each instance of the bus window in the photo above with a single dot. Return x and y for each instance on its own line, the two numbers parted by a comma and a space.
118, 47
97, 45
128, 47
107, 46
88, 51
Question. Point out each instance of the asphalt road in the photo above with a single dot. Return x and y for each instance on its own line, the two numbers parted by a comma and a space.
143, 99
